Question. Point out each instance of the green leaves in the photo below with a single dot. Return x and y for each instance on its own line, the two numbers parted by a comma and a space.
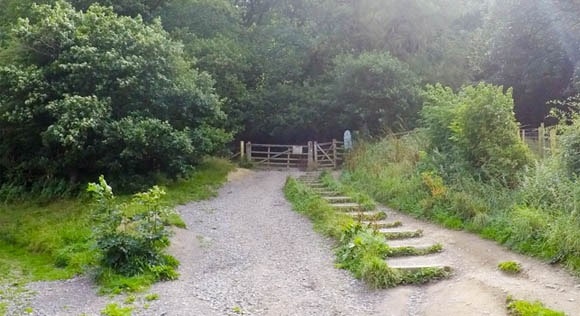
476, 127
92, 92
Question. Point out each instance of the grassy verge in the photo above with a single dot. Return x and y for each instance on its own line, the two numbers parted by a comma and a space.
538, 217
49, 241
525, 308
360, 250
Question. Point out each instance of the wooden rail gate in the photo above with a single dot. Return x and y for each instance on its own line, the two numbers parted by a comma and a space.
312, 156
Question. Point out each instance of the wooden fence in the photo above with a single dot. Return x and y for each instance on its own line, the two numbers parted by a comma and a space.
542, 140
312, 156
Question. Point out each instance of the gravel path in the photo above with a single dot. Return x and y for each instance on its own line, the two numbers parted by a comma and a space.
244, 252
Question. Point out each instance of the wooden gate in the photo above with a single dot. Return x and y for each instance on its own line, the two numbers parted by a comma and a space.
312, 156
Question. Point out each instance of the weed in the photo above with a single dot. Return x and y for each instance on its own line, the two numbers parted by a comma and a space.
151, 297
130, 299
113, 309
510, 267
525, 308
237, 310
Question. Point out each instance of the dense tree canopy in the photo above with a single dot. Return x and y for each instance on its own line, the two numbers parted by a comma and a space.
87, 84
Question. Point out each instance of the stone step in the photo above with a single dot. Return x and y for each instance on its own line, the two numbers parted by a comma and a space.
418, 261
332, 199
368, 215
346, 206
412, 242
446, 270
327, 193
409, 251
403, 234
316, 185
382, 224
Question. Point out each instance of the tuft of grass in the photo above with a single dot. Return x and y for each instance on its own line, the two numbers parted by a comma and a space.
525, 308
113, 309
510, 267
151, 297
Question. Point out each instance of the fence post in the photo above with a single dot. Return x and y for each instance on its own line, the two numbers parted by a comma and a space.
249, 151
334, 153
242, 151
268, 160
553, 141
542, 139
310, 163
523, 136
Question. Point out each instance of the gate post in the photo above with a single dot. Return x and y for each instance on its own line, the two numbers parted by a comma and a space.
249, 151
334, 153
315, 152
310, 163
242, 151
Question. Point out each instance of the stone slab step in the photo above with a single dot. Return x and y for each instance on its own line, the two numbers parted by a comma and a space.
346, 206
419, 261
327, 193
403, 234
368, 215
382, 224
337, 198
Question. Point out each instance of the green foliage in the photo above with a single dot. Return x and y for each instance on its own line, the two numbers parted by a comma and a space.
151, 297
93, 92
510, 267
132, 237
525, 308
374, 92
113, 309
538, 217
476, 127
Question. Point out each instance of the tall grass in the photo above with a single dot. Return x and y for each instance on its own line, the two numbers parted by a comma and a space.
539, 217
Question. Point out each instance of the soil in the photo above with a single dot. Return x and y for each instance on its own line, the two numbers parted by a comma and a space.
246, 252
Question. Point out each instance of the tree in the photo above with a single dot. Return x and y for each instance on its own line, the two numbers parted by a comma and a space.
90, 93
374, 92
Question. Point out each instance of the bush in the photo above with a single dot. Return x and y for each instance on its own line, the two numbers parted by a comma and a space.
477, 127
132, 237
510, 267
91, 92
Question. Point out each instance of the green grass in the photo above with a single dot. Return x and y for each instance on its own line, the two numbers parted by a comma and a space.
525, 308
510, 267
537, 217
361, 250
113, 309
52, 240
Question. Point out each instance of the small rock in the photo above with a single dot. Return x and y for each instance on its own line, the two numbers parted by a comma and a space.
571, 300
550, 286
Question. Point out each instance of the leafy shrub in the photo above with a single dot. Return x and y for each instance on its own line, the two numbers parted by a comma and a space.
113, 309
570, 148
477, 125
132, 237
